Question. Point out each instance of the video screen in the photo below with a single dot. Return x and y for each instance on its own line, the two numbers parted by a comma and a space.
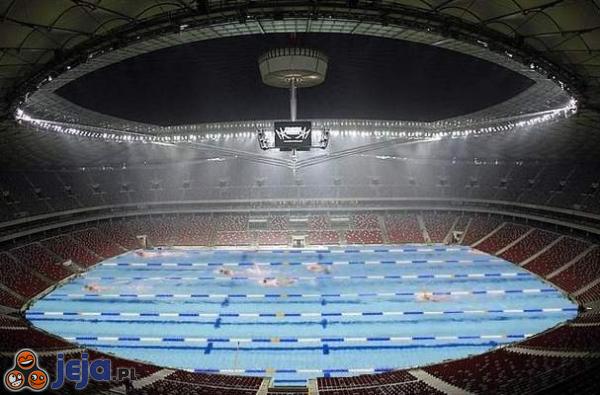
293, 135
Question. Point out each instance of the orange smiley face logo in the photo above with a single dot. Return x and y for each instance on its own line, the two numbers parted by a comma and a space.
38, 380
25, 373
14, 380
26, 360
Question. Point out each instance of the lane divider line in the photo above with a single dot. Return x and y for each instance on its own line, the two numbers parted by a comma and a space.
323, 277
348, 250
298, 263
33, 314
63, 296
281, 340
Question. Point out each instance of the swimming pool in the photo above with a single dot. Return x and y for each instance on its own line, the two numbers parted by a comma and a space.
279, 313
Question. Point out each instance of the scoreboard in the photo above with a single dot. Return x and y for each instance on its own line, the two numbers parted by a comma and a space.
293, 135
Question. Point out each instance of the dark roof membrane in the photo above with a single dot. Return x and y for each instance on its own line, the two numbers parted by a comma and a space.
368, 78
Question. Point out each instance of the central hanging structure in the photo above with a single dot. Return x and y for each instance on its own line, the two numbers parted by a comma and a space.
293, 68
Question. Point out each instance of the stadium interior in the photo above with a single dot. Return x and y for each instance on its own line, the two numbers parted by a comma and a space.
131, 127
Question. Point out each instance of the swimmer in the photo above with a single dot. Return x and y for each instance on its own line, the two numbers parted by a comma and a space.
317, 268
226, 272
276, 282
147, 253
268, 282
92, 287
426, 297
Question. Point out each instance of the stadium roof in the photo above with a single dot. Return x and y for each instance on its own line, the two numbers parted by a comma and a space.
37, 35
45, 45
573, 139
219, 81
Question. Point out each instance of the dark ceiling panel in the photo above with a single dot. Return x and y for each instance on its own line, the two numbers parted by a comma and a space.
368, 78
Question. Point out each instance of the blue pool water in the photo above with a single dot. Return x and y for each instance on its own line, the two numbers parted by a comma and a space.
378, 308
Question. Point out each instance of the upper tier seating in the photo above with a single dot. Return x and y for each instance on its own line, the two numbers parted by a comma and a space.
10, 300
527, 247
556, 256
11, 322
31, 193
365, 221
226, 238
271, 237
364, 236
160, 231
438, 226
503, 237
479, 227
323, 237
403, 229
279, 222
67, 248
581, 273
234, 223
98, 243
589, 295
320, 222
41, 260
196, 230
120, 234
20, 278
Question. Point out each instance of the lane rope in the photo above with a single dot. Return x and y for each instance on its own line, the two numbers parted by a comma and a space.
63, 296
34, 314
279, 340
298, 263
321, 277
349, 250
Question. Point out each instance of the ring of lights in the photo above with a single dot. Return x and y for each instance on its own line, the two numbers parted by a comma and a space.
548, 99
